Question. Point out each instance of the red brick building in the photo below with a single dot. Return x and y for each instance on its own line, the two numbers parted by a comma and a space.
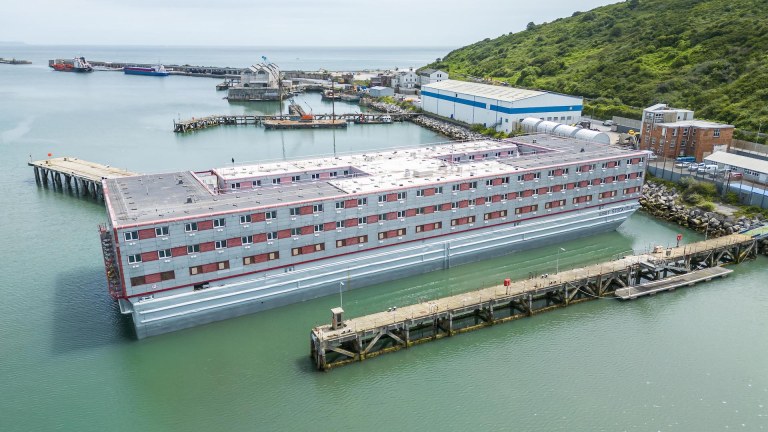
686, 138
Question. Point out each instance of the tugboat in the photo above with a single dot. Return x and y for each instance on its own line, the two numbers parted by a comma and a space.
79, 64
158, 70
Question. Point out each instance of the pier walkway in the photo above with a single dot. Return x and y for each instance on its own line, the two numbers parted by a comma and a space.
194, 124
75, 174
346, 341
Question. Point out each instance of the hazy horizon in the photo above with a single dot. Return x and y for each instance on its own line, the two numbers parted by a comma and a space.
297, 23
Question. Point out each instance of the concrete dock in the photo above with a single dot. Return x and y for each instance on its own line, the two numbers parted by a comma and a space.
346, 341
199, 123
74, 174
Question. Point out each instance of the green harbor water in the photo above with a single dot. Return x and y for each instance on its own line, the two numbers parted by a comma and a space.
692, 360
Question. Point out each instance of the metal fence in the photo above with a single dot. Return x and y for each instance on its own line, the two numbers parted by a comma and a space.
749, 193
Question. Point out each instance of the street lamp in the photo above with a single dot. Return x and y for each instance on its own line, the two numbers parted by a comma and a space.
557, 262
341, 299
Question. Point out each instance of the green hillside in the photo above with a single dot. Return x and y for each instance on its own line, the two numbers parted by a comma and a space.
708, 55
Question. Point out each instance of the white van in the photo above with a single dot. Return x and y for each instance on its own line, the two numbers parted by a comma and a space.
707, 169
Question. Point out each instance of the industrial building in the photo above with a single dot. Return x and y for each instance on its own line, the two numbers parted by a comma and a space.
752, 169
380, 91
503, 108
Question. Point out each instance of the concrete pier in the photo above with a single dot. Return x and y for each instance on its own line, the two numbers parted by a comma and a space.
82, 177
357, 339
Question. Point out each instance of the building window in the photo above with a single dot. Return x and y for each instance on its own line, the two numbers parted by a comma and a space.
245, 219
235, 186
401, 213
339, 224
489, 182
716, 133
295, 231
275, 181
246, 240
362, 220
362, 201
131, 235
257, 183
455, 188
333, 174
318, 228
317, 208
420, 193
193, 249
401, 195
164, 253
220, 244
339, 205
454, 205
190, 227
134, 259
161, 231
382, 217
295, 179
219, 223
315, 176
295, 211
272, 235
473, 185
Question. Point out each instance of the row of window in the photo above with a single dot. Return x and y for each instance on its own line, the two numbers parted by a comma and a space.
294, 179
316, 208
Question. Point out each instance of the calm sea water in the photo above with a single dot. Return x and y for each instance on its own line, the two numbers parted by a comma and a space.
692, 360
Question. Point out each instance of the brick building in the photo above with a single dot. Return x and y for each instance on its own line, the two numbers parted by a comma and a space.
672, 132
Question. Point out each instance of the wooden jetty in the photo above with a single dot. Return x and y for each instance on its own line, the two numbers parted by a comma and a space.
343, 342
198, 123
74, 174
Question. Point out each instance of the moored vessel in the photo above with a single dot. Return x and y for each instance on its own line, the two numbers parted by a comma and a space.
157, 70
196, 247
78, 64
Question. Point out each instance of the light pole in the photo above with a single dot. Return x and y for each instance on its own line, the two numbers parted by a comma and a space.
341, 299
557, 262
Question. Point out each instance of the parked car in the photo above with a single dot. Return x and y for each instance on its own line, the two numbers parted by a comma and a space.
608, 123
693, 167
682, 164
707, 169
735, 175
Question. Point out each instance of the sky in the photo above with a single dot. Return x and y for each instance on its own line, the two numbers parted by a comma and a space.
447, 23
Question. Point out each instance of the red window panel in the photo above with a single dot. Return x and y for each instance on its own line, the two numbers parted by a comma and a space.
585, 168
246, 184
286, 233
260, 258
529, 176
479, 200
146, 233
558, 203
621, 177
305, 210
542, 190
496, 182
152, 278
373, 219
610, 179
307, 249
212, 267
410, 212
329, 226
596, 181
635, 160
258, 217
464, 186
205, 225
285, 180
496, 198
237, 241
429, 209
463, 203
307, 230
611, 164
527, 193
149, 256
391, 215
391, 197
584, 183
350, 203
633, 175
207, 247
429, 192
559, 172
445, 206
557, 188
512, 195
350, 222
260, 238
325, 175
351, 241
570, 186
179, 251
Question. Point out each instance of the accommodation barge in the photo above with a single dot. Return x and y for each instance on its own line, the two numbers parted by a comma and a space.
186, 248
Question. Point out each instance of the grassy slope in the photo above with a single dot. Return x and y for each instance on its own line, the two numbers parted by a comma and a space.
708, 55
